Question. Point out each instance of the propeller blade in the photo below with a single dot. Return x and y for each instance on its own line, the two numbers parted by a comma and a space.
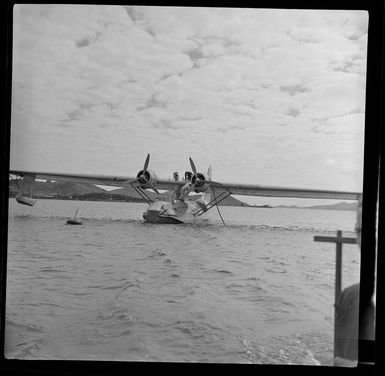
209, 173
193, 166
146, 162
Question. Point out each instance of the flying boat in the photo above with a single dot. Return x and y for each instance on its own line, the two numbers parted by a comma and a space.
180, 206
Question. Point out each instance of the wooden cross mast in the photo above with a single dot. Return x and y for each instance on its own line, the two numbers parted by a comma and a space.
339, 240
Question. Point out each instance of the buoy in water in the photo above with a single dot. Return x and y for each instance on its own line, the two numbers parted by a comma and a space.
74, 221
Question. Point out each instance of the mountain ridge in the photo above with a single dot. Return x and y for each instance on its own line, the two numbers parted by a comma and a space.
68, 190
89, 192
343, 205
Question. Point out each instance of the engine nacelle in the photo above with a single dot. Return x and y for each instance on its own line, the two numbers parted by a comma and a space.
147, 179
198, 181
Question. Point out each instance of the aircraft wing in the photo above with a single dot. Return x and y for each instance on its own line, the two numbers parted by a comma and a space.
165, 184
107, 180
269, 191
77, 178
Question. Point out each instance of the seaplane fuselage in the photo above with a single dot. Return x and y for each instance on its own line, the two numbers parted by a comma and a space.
172, 212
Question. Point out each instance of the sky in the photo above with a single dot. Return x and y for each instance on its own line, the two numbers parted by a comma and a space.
271, 97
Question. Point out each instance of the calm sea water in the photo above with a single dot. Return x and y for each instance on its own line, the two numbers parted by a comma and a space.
258, 290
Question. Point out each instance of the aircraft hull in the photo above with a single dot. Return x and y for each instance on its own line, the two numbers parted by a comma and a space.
154, 217
166, 212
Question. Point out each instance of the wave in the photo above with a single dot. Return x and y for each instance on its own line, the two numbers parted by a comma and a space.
205, 224
292, 349
21, 340
83, 219
13, 325
221, 271
252, 227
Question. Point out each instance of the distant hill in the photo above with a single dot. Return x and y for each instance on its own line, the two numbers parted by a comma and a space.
129, 191
60, 188
75, 188
91, 192
231, 201
348, 206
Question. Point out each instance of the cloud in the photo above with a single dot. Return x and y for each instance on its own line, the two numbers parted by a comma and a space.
267, 95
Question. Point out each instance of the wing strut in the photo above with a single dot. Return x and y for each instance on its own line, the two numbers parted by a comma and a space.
141, 193
212, 203
216, 204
